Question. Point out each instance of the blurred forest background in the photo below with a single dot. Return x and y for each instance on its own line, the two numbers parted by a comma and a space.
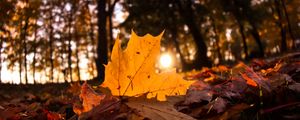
69, 40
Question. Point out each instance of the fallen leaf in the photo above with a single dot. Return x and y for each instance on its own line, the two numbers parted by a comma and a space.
295, 87
156, 110
279, 79
252, 78
219, 104
74, 88
52, 115
198, 92
249, 81
233, 112
89, 99
132, 72
109, 108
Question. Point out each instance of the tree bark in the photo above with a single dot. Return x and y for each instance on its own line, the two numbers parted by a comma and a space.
288, 24
62, 52
51, 49
34, 52
25, 49
92, 40
257, 39
217, 40
77, 54
1, 42
254, 31
110, 13
20, 59
102, 40
23, 35
69, 48
281, 26
201, 59
245, 47
176, 44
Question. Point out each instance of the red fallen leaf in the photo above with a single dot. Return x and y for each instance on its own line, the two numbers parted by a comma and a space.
89, 99
52, 115
249, 81
198, 92
219, 104
11, 113
220, 68
238, 85
258, 63
230, 90
204, 73
196, 96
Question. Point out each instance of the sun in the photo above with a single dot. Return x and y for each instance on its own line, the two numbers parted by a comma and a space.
165, 60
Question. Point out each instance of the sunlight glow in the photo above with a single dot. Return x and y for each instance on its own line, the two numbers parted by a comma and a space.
68, 7
165, 60
228, 34
120, 14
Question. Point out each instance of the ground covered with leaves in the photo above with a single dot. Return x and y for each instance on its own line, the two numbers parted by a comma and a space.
262, 89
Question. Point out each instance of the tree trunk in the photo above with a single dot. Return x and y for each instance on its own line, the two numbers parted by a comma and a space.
245, 47
110, 26
92, 41
51, 49
201, 59
62, 52
217, 40
110, 13
69, 48
176, 44
289, 24
1, 42
102, 40
34, 52
70, 61
77, 64
281, 26
254, 31
25, 49
23, 35
76, 53
257, 39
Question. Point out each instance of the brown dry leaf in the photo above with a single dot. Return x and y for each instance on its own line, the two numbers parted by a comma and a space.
74, 88
132, 72
89, 99
110, 108
156, 110
295, 87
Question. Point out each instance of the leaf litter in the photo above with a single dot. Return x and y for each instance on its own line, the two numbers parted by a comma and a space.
263, 89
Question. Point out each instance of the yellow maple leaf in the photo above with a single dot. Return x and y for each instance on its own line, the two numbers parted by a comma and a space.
132, 72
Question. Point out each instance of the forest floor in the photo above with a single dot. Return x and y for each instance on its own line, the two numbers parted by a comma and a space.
281, 98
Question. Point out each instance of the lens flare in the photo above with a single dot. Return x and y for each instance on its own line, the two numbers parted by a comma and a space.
165, 60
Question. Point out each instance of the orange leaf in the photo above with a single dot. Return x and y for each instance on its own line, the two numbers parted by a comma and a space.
249, 80
131, 72
89, 99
